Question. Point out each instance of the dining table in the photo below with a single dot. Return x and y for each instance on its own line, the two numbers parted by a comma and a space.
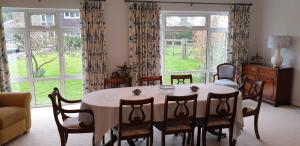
105, 104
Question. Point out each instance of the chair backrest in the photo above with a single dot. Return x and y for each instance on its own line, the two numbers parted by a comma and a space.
56, 96
135, 113
225, 106
226, 71
150, 80
180, 108
56, 107
253, 90
181, 78
114, 83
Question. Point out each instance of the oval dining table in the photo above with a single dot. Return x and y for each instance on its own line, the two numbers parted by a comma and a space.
105, 104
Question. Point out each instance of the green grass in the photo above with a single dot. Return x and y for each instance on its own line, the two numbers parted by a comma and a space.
73, 65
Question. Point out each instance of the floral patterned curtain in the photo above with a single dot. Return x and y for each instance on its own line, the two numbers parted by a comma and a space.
4, 73
239, 27
144, 40
94, 53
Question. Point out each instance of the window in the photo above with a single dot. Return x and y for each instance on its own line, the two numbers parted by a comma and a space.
44, 51
71, 15
193, 43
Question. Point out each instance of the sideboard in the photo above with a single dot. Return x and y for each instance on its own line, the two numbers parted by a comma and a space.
278, 82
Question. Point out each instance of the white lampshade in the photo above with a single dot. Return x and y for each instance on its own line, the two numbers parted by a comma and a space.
279, 41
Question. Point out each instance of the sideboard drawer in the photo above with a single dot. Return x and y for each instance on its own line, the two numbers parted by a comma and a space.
267, 71
250, 68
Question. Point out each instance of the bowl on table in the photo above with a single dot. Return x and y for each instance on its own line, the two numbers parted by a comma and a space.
194, 88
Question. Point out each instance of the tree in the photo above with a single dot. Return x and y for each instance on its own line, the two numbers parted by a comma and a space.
41, 44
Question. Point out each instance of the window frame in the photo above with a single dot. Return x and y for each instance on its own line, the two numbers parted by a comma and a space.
59, 42
164, 28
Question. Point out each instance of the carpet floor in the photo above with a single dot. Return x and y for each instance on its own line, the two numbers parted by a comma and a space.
277, 126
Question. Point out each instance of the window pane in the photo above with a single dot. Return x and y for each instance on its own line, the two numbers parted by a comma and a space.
42, 89
185, 51
73, 53
73, 89
20, 87
13, 19
45, 59
69, 19
217, 51
15, 48
186, 21
219, 21
42, 20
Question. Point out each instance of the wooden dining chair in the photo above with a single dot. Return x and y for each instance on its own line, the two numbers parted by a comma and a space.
253, 90
220, 116
150, 80
183, 117
138, 122
181, 78
114, 83
69, 124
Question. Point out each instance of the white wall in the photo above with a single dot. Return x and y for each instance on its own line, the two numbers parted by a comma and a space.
282, 17
116, 19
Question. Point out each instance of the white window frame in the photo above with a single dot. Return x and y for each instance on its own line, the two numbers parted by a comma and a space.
59, 31
207, 28
71, 17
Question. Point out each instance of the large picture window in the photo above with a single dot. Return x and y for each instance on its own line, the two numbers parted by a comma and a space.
44, 51
193, 43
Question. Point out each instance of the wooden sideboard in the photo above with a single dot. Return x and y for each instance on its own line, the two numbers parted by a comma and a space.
278, 82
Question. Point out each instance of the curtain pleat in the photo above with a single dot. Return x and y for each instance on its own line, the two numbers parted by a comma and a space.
94, 52
144, 40
4, 72
239, 31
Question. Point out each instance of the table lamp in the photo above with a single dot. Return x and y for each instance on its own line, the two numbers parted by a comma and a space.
277, 42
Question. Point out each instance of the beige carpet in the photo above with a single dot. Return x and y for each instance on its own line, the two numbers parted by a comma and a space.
278, 127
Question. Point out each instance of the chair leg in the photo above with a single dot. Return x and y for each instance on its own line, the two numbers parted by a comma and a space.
163, 143
66, 137
93, 142
188, 138
203, 137
151, 140
231, 136
192, 138
119, 142
256, 126
147, 141
103, 139
220, 134
183, 139
62, 138
199, 136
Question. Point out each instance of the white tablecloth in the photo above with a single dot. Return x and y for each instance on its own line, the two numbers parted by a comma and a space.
105, 104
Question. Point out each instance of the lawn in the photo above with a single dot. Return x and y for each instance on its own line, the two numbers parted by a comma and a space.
73, 66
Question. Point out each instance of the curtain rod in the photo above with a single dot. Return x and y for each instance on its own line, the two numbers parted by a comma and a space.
191, 3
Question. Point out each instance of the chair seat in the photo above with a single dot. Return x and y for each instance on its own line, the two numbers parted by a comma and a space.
128, 131
71, 123
174, 126
218, 122
11, 115
226, 82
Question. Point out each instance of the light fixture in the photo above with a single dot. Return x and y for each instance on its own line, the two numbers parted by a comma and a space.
277, 42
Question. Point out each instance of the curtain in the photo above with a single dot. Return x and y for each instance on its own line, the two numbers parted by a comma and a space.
94, 53
4, 73
144, 40
239, 27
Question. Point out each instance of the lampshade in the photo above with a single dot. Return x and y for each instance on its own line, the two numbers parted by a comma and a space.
279, 41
